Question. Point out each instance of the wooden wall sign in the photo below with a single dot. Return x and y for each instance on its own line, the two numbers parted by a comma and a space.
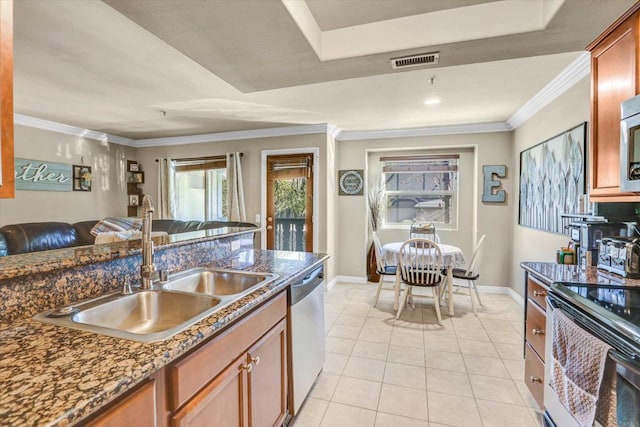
42, 176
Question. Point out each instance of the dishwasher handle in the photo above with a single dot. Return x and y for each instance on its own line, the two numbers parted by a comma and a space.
303, 287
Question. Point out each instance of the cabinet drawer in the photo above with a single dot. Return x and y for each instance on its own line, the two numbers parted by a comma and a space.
537, 292
536, 323
534, 375
198, 368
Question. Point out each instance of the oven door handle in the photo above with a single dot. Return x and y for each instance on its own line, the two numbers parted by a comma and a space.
625, 361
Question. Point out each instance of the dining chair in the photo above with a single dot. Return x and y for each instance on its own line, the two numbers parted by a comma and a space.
472, 273
382, 268
420, 264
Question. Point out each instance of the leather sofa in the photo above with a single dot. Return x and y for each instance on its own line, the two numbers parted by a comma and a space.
43, 236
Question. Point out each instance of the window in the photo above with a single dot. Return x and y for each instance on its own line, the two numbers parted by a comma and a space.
421, 188
201, 189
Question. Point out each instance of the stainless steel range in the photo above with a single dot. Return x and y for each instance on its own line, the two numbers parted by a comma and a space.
612, 314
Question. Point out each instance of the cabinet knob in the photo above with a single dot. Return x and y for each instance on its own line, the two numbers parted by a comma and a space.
256, 360
538, 331
539, 293
269, 227
248, 367
535, 379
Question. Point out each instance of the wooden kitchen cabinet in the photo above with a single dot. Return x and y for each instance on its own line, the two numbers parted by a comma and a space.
251, 391
268, 379
136, 409
221, 403
7, 179
534, 343
615, 77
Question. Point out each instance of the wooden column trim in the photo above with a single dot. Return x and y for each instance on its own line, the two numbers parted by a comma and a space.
7, 189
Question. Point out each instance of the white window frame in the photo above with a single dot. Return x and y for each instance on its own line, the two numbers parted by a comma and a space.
454, 211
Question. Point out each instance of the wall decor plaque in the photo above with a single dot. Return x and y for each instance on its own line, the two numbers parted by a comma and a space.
492, 192
36, 175
351, 182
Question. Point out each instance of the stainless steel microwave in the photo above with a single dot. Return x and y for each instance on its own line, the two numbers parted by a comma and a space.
630, 145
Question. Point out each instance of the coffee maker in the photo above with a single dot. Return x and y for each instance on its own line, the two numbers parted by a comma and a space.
587, 234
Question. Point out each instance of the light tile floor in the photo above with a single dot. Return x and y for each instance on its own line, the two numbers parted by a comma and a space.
412, 372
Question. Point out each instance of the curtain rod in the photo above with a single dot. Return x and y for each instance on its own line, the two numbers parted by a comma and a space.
186, 159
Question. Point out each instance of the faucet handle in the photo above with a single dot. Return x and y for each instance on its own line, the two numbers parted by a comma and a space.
164, 276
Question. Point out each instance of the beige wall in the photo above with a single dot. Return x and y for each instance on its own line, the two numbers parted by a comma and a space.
567, 111
108, 194
492, 219
251, 169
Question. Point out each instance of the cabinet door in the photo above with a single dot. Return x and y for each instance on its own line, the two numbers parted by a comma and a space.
614, 79
221, 403
136, 409
268, 378
7, 180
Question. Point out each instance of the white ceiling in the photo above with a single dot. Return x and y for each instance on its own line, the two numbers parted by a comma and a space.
227, 65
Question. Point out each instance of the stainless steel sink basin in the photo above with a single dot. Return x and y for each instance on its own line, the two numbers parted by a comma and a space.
217, 282
155, 315
142, 316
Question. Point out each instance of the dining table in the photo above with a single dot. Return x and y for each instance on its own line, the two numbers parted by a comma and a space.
452, 257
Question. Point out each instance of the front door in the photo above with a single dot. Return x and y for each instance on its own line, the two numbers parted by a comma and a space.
290, 202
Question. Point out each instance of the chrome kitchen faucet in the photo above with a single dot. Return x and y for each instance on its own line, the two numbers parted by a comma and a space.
148, 269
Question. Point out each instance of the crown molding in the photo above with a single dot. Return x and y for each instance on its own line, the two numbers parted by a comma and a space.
334, 131
231, 136
576, 71
33, 122
425, 131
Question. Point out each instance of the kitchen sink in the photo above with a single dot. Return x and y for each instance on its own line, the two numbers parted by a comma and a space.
157, 314
217, 282
144, 316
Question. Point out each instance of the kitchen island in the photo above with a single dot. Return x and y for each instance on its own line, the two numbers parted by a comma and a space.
52, 375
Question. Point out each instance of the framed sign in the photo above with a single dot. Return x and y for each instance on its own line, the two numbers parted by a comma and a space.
82, 178
42, 176
350, 182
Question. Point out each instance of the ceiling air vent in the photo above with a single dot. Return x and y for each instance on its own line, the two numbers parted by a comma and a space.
416, 60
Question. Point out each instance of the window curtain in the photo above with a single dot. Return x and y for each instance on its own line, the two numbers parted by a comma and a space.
166, 189
235, 189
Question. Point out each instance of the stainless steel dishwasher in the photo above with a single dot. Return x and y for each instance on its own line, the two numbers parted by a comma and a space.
307, 334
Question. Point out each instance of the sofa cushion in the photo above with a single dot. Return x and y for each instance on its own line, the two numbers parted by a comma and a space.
38, 236
116, 224
83, 232
174, 226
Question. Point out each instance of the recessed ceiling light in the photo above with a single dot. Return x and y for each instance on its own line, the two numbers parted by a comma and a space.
432, 101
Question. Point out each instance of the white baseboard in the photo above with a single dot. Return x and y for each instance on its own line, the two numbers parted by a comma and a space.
348, 279
504, 290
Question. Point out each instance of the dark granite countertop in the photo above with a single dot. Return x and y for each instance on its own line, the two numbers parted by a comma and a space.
551, 272
46, 261
51, 375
